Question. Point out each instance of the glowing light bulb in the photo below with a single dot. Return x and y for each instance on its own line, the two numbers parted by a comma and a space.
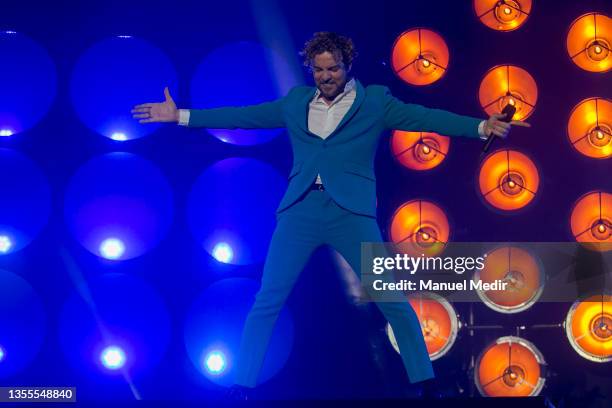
119, 136
507, 10
223, 252
598, 49
426, 149
113, 357
426, 63
511, 183
425, 236
112, 248
601, 228
511, 101
600, 134
215, 362
5, 244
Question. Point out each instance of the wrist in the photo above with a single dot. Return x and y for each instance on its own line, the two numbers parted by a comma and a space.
486, 129
183, 117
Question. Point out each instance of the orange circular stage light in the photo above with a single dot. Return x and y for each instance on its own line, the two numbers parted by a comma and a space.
419, 227
522, 274
588, 326
439, 323
508, 84
590, 128
502, 15
589, 40
510, 367
419, 150
508, 180
419, 56
591, 221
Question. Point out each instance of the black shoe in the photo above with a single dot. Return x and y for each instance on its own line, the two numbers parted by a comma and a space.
238, 393
430, 389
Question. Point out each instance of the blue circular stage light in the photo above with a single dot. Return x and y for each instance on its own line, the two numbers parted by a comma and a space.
213, 328
113, 357
118, 206
112, 77
215, 362
227, 210
25, 201
28, 83
221, 80
114, 321
22, 324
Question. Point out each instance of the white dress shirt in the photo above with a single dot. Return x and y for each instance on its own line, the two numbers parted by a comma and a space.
323, 119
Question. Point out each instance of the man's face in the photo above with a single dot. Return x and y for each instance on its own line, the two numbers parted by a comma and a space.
330, 74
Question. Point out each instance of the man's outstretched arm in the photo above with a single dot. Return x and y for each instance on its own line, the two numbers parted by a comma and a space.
263, 115
413, 117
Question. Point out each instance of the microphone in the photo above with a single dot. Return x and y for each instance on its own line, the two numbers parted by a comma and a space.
509, 110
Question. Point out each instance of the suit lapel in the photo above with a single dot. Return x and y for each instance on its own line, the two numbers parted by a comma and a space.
304, 102
302, 110
359, 97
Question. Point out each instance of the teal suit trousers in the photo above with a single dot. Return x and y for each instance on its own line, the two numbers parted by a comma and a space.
315, 220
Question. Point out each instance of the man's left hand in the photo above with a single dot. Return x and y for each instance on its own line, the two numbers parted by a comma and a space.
495, 126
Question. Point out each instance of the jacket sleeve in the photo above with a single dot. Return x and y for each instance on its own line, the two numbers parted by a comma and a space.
411, 117
260, 116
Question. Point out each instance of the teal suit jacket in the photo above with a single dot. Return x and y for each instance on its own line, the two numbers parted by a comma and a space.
345, 159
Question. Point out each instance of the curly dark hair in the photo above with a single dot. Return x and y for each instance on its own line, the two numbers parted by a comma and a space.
334, 43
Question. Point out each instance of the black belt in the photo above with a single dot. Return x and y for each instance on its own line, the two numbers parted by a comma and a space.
319, 187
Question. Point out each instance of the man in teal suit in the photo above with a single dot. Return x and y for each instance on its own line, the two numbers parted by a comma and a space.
334, 129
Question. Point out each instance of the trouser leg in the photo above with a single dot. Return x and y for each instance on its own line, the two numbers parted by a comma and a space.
370, 325
345, 234
293, 241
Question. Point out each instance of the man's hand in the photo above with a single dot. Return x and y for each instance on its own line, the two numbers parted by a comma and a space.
495, 126
157, 112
